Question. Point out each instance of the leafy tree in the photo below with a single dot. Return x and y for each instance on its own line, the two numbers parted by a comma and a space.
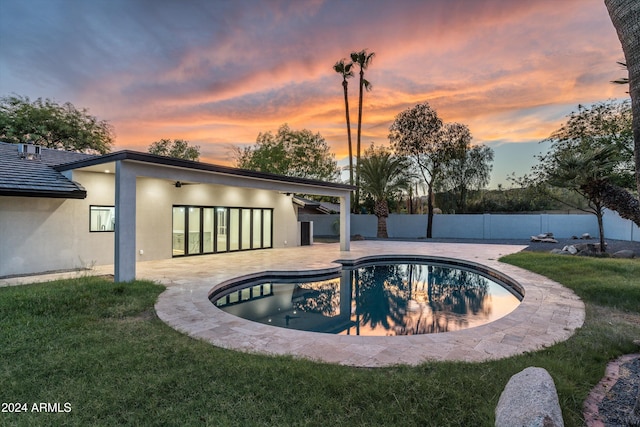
178, 148
469, 172
46, 123
383, 175
603, 124
604, 127
419, 134
625, 15
344, 70
298, 153
591, 155
363, 60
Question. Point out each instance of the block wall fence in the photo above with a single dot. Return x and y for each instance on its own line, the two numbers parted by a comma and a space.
481, 226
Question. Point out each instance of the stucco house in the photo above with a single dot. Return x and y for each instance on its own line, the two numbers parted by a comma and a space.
63, 210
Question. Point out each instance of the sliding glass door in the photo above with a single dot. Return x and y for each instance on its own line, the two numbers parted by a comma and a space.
222, 236
208, 232
179, 220
234, 229
205, 230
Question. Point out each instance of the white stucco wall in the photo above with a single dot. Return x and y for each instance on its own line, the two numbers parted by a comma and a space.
39, 234
480, 226
44, 234
156, 199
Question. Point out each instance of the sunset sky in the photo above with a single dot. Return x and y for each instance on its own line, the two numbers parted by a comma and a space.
217, 73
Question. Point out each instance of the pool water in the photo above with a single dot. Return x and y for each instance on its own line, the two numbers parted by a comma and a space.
376, 300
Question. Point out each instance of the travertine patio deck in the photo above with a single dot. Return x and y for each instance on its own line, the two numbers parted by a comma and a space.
549, 312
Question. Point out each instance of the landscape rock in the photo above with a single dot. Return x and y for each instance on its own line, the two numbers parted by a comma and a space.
587, 248
625, 253
529, 400
544, 238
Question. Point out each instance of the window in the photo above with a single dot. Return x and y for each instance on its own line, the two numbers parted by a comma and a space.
102, 218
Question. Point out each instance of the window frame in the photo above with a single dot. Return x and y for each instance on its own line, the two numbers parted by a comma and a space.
229, 228
91, 209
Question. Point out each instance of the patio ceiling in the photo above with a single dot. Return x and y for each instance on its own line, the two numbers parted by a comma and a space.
153, 166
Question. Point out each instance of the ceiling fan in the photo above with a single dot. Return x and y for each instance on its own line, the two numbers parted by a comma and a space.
179, 184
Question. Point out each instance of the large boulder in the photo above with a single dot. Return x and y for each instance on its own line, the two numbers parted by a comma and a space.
588, 249
625, 253
529, 400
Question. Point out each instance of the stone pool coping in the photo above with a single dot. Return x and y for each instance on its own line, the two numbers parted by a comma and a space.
549, 313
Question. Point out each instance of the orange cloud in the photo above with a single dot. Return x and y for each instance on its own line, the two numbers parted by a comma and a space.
218, 73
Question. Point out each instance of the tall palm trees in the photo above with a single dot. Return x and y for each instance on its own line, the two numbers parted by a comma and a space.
344, 70
363, 60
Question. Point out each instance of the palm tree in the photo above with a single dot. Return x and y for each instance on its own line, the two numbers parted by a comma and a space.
625, 15
345, 71
363, 59
383, 175
585, 172
622, 80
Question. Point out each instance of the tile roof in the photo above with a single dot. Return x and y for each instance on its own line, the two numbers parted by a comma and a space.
37, 177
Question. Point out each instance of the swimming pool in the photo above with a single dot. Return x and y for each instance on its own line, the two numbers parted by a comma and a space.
375, 297
547, 314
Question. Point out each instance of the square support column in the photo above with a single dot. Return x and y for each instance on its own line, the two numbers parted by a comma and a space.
125, 230
345, 222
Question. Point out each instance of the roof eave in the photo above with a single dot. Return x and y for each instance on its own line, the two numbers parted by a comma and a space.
75, 194
189, 164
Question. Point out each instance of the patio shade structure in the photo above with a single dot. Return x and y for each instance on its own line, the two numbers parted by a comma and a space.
131, 165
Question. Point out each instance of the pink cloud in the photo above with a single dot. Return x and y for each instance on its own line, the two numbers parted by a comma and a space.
220, 73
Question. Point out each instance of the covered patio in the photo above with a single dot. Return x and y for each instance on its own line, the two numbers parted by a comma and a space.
145, 187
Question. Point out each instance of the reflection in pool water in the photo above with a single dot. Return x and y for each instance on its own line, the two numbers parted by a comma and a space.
385, 299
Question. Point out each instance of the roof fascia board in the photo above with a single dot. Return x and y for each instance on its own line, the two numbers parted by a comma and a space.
45, 194
207, 177
188, 164
127, 155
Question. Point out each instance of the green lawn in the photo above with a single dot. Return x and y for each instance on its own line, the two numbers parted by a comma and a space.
99, 347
